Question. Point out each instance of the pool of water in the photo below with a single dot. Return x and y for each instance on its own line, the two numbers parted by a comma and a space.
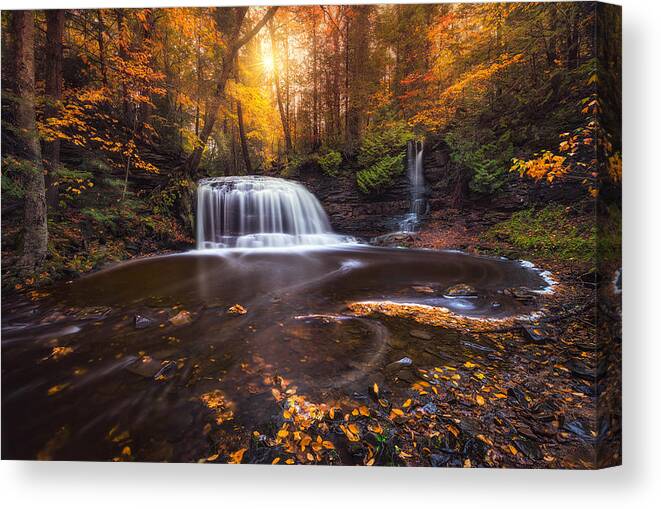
99, 360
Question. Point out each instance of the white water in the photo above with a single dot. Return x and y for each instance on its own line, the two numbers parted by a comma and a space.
254, 211
415, 173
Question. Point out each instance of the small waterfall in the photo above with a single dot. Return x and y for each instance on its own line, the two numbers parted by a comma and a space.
417, 188
259, 212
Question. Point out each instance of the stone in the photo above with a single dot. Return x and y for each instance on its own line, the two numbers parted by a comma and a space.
141, 322
145, 367
523, 295
167, 371
461, 290
401, 363
535, 334
181, 318
423, 289
393, 239
420, 334
430, 408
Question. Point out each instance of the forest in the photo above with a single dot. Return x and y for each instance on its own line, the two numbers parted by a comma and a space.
466, 158
130, 107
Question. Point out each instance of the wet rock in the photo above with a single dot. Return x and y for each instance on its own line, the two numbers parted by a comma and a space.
430, 408
461, 290
145, 367
423, 289
393, 239
167, 371
579, 429
479, 348
404, 362
439, 459
522, 294
420, 334
518, 395
535, 334
529, 448
181, 318
141, 322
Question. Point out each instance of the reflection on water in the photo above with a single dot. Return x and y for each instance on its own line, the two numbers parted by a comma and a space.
79, 371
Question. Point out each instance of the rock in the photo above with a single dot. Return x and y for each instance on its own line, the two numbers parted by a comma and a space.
461, 290
401, 363
535, 334
528, 448
181, 318
141, 322
237, 309
523, 295
393, 239
420, 334
519, 396
439, 460
167, 371
430, 408
145, 367
423, 289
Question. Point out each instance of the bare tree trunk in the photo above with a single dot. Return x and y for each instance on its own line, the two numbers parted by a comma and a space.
35, 229
278, 93
102, 48
244, 142
53, 90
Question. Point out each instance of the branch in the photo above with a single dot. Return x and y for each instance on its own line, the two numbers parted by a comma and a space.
252, 32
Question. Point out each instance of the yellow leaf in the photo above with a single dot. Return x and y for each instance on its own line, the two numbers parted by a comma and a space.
213, 457
452, 429
469, 364
276, 461
479, 399
126, 451
237, 457
375, 387
407, 403
289, 461
57, 388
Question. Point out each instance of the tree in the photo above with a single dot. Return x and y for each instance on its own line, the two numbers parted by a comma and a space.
229, 22
35, 230
53, 92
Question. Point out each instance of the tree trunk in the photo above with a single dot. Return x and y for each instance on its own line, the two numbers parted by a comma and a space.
53, 91
102, 49
278, 93
244, 142
35, 230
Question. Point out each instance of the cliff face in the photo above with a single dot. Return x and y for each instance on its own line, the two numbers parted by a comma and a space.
355, 213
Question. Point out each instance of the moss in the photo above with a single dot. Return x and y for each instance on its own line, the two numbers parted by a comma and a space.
550, 231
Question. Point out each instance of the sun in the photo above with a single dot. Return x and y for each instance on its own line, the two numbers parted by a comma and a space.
268, 62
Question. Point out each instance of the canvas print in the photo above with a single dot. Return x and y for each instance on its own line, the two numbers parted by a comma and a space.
368, 235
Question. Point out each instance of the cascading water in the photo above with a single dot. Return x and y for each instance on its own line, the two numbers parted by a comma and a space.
259, 212
417, 188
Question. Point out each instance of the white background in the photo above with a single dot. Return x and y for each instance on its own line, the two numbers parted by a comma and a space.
636, 484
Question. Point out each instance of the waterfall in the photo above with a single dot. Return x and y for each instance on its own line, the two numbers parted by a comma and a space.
417, 188
259, 212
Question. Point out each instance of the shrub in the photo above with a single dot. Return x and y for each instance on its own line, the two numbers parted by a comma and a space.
380, 175
488, 162
330, 162
382, 156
